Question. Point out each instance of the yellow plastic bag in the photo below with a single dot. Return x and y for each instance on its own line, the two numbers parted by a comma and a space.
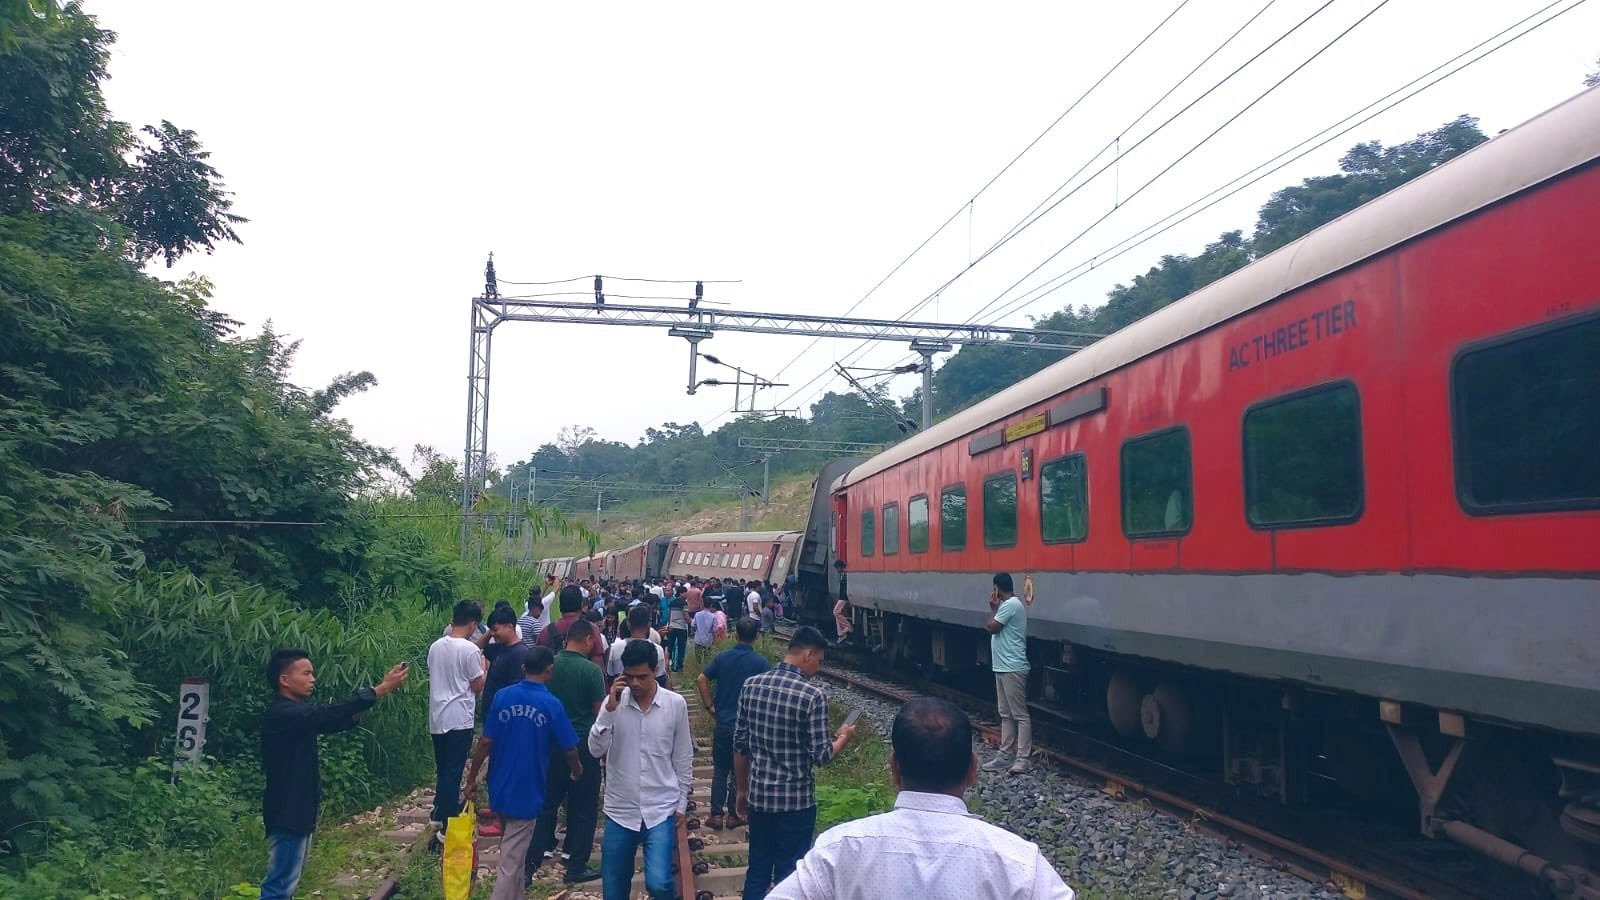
461, 854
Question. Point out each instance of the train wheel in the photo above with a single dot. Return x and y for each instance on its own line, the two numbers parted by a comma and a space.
1166, 717
1122, 704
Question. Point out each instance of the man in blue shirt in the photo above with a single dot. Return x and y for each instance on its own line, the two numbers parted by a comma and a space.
730, 668
1008, 652
520, 732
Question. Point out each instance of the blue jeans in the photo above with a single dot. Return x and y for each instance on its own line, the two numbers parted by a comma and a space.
285, 861
617, 854
777, 841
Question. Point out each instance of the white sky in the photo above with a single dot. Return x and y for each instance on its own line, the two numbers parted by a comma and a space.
804, 149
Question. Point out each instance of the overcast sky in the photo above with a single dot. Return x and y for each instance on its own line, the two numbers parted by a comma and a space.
382, 151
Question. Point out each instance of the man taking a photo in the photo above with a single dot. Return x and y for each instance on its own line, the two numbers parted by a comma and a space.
289, 730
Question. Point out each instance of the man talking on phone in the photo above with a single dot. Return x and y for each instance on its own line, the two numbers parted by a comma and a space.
644, 731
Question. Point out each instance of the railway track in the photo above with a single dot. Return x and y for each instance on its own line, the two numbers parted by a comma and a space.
1323, 848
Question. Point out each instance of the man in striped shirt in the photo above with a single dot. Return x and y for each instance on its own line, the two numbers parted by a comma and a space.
780, 734
532, 621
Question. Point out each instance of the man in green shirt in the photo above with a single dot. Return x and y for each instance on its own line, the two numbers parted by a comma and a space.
1008, 652
580, 686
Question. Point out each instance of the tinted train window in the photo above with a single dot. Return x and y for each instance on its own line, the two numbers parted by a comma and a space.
868, 535
891, 528
1000, 510
1157, 492
953, 518
1527, 422
1064, 499
1302, 459
917, 525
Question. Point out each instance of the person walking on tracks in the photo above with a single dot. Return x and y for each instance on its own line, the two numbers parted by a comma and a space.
289, 730
929, 847
782, 732
642, 731
523, 729
704, 624
580, 686
456, 673
730, 669
1008, 650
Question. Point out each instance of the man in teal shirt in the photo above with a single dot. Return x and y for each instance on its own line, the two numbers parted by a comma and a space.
1008, 651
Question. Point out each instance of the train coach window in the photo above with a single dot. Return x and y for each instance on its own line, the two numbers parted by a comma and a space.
1000, 510
1302, 459
744, 561
1064, 499
760, 559
1157, 486
869, 536
891, 528
953, 518
1527, 420
917, 524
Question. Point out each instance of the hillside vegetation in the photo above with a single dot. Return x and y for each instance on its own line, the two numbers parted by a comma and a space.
632, 522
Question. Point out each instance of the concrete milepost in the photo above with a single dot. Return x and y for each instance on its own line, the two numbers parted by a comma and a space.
194, 709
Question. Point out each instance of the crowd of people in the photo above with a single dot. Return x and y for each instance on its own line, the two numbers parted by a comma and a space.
577, 718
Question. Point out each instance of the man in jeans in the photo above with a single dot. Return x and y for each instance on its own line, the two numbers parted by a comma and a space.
523, 731
780, 733
289, 730
1008, 650
456, 672
643, 732
730, 669
580, 686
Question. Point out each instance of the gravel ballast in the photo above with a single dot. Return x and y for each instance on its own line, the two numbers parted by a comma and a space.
1104, 847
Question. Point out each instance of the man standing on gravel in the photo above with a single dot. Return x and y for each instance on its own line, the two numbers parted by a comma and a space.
1008, 650
522, 730
929, 847
289, 730
782, 732
730, 669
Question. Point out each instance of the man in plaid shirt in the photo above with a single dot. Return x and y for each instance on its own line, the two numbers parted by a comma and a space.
781, 732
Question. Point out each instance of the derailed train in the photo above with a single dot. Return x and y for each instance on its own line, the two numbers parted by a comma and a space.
1330, 525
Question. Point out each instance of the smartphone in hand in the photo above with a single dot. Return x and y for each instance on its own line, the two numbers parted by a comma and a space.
851, 718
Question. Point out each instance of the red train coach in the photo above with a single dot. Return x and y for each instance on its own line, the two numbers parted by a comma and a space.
744, 555
641, 560
1354, 481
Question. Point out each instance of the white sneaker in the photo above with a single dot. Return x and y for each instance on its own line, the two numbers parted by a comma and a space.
1018, 767
996, 764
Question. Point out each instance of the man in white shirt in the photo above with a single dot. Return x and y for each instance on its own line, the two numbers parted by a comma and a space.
637, 629
929, 847
645, 731
752, 600
456, 672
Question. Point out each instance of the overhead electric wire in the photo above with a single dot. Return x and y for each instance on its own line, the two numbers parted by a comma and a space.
499, 280
1034, 215
1255, 174
1183, 156
992, 179
1029, 220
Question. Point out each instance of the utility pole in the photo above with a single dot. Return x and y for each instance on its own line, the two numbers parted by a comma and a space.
927, 348
766, 480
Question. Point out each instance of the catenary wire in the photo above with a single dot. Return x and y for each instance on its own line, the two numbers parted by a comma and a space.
994, 178
1321, 139
1033, 216
1283, 159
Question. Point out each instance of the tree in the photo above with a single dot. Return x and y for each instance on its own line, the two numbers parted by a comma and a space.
571, 437
174, 199
1593, 78
61, 149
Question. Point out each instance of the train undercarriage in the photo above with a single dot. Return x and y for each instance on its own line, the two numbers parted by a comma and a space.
1526, 798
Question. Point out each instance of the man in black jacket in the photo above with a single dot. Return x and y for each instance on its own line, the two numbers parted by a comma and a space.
289, 730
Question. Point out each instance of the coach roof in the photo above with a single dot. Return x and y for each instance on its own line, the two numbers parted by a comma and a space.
1556, 141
